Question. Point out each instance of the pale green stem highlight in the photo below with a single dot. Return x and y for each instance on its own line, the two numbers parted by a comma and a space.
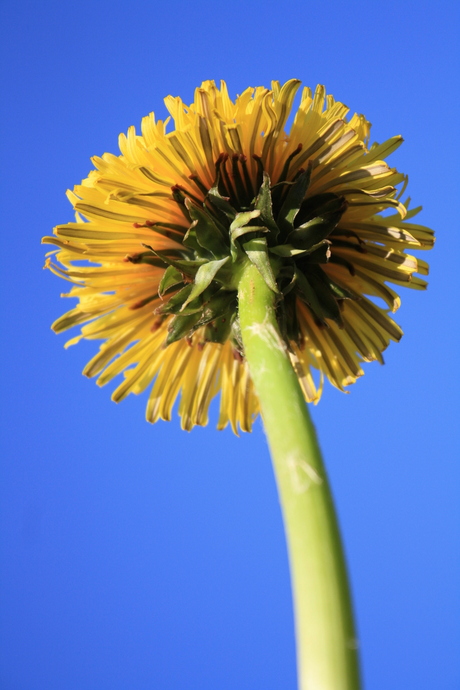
326, 644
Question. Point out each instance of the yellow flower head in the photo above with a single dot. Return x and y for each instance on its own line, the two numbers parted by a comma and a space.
163, 230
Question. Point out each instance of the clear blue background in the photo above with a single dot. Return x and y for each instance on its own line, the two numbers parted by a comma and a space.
138, 557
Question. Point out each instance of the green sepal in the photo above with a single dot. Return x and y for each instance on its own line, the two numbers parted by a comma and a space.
221, 301
190, 239
328, 302
337, 290
170, 277
146, 258
195, 306
288, 321
152, 261
293, 201
309, 296
238, 228
287, 278
287, 251
221, 306
180, 326
264, 204
179, 197
236, 338
216, 316
242, 219
319, 254
174, 304
236, 253
320, 205
246, 229
241, 226
170, 226
257, 253
218, 330
207, 233
189, 267
204, 277
314, 231
221, 203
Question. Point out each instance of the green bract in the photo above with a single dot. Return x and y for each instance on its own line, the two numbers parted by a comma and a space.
281, 231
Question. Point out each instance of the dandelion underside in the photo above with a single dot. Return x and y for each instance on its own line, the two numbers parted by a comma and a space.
163, 231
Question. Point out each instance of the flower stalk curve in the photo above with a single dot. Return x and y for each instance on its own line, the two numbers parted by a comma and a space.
325, 638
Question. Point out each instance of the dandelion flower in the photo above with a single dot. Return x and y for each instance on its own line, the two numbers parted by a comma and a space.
163, 231
231, 255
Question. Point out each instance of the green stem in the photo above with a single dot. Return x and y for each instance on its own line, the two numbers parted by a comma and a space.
326, 644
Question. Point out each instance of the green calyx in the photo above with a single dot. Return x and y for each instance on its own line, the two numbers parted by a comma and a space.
286, 234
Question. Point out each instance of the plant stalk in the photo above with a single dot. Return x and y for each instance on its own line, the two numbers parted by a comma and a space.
327, 656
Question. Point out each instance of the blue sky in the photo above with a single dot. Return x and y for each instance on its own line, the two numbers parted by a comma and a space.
144, 557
